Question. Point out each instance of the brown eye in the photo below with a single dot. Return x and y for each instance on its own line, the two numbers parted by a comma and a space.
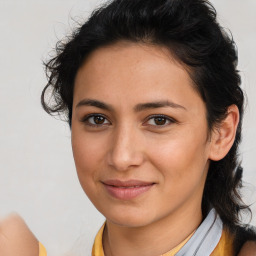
95, 120
160, 120
98, 119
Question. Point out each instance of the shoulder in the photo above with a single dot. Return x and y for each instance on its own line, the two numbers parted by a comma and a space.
248, 249
245, 240
16, 238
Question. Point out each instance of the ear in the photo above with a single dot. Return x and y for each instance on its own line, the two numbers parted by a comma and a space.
223, 136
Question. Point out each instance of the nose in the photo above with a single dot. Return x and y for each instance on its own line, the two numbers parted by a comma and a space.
126, 149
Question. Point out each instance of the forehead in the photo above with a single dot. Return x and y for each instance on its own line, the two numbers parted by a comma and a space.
133, 53
134, 70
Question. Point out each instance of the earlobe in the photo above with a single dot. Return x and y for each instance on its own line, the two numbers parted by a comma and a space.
223, 136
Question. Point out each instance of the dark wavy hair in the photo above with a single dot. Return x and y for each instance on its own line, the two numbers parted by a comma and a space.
188, 28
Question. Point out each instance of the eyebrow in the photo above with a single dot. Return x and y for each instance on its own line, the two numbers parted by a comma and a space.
94, 103
138, 108
157, 104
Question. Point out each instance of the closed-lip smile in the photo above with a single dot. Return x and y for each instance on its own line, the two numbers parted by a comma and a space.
127, 190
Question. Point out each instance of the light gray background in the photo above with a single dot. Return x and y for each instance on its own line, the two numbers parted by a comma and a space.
37, 174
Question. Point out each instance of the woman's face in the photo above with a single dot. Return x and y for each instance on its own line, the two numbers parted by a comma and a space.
139, 135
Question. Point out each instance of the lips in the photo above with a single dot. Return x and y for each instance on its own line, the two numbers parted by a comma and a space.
127, 190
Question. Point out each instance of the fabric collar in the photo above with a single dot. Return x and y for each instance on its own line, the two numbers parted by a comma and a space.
206, 237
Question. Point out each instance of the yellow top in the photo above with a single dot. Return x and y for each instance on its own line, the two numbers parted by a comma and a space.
97, 249
225, 245
42, 251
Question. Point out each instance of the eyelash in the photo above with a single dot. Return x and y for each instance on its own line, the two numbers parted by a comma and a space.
85, 120
167, 119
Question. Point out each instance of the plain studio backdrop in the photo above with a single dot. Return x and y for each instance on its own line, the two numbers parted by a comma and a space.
37, 173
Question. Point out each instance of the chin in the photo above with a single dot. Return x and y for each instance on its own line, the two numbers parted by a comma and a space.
129, 218
129, 222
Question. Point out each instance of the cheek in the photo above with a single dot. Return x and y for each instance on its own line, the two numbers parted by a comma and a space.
86, 157
182, 162
87, 153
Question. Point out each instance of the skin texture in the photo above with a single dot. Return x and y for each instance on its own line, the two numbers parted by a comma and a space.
16, 238
129, 144
249, 249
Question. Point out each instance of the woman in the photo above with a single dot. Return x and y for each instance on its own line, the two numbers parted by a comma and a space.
151, 93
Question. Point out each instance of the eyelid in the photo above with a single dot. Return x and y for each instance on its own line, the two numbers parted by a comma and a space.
85, 120
170, 119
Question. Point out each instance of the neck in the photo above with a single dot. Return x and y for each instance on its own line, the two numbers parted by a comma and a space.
153, 239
